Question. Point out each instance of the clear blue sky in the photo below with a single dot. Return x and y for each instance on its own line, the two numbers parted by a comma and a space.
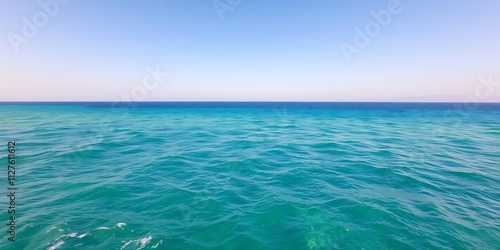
260, 51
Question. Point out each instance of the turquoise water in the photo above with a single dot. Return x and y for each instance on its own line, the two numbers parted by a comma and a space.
280, 176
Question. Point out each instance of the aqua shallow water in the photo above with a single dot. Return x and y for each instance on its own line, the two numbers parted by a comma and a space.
271, 177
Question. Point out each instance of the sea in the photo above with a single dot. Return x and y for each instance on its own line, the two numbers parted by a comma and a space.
249, 175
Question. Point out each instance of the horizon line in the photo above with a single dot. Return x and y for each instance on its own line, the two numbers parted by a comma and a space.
76, 102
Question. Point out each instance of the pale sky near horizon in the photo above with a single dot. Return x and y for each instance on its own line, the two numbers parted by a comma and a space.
255, 50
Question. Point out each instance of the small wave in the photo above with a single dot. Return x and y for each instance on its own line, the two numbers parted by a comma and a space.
143, 242
72, 235
58, 244
82, 235
157, 244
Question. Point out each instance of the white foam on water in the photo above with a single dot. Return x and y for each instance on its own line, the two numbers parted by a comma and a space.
81, 235
103, 228
72, 235
157, 244
144, 241
126, 244
58, 244
121, 224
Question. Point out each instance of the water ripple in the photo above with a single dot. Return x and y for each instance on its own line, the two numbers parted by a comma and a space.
255, 179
